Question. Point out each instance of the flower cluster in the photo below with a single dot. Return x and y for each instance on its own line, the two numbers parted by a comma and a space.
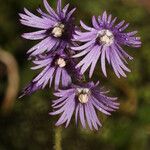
57, 54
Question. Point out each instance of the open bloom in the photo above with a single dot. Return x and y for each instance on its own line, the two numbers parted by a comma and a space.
104, 41
55, 29
84, 100
57, 67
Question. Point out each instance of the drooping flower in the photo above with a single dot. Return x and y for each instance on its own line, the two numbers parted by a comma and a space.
83, 100
55, 29
57, 67
104, 41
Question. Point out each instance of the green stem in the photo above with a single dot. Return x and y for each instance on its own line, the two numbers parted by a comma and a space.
58, 135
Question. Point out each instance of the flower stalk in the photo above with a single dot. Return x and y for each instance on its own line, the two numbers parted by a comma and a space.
58, 138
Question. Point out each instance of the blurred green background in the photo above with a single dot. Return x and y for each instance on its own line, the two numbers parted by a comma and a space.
25, 123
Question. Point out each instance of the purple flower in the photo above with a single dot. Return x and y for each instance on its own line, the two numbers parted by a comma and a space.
105, 40
84, 100
55, 29
58, 67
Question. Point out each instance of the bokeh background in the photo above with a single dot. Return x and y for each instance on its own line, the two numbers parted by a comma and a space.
25, 123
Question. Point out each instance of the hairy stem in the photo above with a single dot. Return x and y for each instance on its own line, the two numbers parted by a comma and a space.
58, 135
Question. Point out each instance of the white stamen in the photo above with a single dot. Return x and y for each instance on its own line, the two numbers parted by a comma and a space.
106, 37
61, 62
83, 95
58, 30
83, 98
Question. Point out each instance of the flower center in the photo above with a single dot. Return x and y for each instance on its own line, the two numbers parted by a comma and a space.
83, 95
58, 30
61, 62
106, 37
